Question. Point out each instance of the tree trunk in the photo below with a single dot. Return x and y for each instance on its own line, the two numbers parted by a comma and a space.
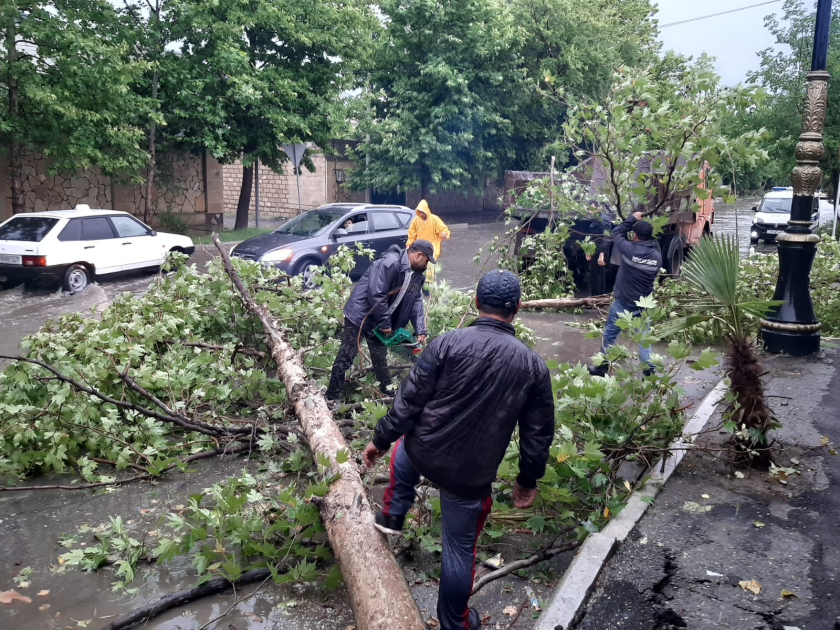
244, 206
378, 591
560, 303
150, 171
15, 147
425, 181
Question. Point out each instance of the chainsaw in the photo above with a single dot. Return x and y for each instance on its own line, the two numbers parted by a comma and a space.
401, 342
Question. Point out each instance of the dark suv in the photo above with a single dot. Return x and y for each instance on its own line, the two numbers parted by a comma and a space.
311, 238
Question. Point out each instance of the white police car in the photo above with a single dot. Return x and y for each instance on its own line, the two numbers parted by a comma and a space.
772, 216
73, 246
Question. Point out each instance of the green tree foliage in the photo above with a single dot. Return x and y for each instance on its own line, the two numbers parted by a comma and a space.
66, 88
655, 132
569, 50
782, 74
443, 72
257, 75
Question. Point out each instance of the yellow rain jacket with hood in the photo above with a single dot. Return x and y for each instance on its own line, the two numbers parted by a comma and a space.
431, 229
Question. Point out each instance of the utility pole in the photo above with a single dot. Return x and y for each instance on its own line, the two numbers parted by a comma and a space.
793, 328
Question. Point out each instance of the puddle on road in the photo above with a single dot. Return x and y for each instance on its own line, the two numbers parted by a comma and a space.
31, 525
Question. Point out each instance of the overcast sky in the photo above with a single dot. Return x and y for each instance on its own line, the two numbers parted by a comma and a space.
733, 39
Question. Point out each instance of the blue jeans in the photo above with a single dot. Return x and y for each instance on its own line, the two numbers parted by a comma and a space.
463, 520
612, 331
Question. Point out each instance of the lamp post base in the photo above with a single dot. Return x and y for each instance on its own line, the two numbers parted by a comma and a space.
790, 343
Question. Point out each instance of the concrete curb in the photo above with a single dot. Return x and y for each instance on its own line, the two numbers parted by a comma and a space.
577, 583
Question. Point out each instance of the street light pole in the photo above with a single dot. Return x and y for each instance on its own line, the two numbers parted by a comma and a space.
792, 328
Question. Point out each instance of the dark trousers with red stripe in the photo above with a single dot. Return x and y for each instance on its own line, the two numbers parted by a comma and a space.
463, 520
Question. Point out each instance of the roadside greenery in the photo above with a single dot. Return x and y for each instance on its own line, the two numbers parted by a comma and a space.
757, 281
156, 384
656, 132
713, 271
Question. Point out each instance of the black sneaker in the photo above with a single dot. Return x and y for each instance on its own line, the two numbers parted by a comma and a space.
649, 372
389, 524
475, 619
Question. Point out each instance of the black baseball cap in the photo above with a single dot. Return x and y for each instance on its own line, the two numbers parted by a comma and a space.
424, 247
499, 288
643, 229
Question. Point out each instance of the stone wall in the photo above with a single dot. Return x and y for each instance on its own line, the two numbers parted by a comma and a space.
187, 185
179, 188
45, 191
278, 193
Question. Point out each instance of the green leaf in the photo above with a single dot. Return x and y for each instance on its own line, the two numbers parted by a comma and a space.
707, 359
334, 577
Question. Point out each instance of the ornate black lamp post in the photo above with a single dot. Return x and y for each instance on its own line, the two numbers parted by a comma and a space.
793, 328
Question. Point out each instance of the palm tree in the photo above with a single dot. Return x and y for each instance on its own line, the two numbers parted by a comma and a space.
714, 268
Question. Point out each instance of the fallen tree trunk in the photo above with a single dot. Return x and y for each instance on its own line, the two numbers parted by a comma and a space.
379, 594
562, 303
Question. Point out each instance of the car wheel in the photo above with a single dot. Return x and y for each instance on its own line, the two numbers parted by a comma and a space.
76, 278
307, 269
172, 265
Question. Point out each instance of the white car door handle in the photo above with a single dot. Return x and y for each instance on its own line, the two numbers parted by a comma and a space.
90, 246
129, 243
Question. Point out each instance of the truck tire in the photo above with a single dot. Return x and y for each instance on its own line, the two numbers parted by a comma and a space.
674, 255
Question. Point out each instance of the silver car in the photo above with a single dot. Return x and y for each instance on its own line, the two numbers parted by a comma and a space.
311, 238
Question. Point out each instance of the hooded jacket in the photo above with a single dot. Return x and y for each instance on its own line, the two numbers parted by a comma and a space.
461, 403
380, 286
640, 265
432, 229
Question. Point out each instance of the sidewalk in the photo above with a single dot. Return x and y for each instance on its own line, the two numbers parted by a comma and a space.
710, 529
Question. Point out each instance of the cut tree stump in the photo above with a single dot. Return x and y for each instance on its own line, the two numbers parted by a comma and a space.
562, 303
378, 591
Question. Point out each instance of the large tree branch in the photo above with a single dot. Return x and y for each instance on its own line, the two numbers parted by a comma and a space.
167, 602
540, 556
379, 595
562, 303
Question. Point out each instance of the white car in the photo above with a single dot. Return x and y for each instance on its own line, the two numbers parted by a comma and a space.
772, 216
73, 246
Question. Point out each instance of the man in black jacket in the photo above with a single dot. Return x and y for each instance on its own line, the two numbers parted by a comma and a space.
388, 297
452, 421
641, 260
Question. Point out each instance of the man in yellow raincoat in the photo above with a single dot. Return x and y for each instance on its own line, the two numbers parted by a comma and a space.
429, 227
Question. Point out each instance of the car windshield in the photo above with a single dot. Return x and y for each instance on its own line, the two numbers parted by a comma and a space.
776, 205
312, 223
29, 229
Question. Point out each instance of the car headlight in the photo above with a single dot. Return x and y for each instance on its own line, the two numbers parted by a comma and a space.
759, 221
278, 255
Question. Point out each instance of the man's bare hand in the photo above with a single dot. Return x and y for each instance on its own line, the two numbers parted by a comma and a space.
371, 455
638, 216
422, 339
601, 261
523, 497
386, 331
589, 258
